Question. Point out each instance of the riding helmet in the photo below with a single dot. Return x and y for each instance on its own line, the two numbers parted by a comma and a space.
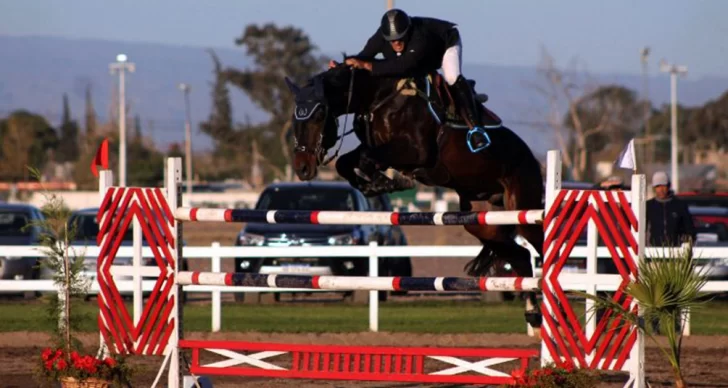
395, 24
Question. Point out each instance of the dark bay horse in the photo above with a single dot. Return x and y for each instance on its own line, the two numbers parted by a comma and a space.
400, 130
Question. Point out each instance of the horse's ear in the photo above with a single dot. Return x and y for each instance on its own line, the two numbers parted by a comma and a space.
292, 86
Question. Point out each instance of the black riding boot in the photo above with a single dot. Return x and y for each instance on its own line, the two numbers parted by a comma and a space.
477, 138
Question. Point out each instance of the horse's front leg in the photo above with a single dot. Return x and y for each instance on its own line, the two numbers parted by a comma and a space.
358, 170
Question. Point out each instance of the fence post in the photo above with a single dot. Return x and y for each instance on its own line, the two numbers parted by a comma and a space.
137, 279
216, 297
106, 180
373, 295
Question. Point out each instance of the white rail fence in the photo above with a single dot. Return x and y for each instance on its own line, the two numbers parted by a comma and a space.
131, 278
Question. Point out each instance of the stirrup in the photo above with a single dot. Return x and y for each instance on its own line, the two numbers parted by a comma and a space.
470, 136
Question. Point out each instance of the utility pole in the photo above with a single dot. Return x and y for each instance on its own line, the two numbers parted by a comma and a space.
185, 88
674, 70
122, 66
649, 151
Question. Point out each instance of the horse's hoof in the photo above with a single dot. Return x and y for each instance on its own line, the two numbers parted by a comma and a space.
403, 183
369, 192
534, 318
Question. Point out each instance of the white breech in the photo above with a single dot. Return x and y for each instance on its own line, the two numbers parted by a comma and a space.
451, 63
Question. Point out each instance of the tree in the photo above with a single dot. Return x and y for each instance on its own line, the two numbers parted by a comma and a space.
602, 121
277, 52
137, 128
25, 140
90, 114
707, 126
82, 175
145, 162
68, 149
175, 151
701, 128
660, 122
219, 126
587, 119
145, 165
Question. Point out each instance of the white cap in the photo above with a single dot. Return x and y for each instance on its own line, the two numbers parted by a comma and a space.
660, 178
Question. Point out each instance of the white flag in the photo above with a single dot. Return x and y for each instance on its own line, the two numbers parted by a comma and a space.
626, 158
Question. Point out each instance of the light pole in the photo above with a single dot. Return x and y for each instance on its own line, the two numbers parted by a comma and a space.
644, 54
122, 66
185, 88
674, 70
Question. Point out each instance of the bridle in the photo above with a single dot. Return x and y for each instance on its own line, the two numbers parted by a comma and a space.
304, 114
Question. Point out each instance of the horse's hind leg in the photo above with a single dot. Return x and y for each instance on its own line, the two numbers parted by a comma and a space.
500, 246
524, 194
489, 235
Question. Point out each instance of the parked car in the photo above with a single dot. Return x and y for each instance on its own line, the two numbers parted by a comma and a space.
711, 227
704, 198
318, 195
85, 226
13, 221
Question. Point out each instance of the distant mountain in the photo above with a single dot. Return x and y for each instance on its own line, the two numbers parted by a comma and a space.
36, 71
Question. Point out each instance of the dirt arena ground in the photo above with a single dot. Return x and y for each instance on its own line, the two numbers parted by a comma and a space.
705, 358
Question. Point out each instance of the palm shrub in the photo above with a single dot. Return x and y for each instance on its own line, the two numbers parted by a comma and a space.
667, 287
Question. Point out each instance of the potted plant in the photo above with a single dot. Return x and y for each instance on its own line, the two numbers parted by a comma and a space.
65, 361
551, 376
76, 371
667, 287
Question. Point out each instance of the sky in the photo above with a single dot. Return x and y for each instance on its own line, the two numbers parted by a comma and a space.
606, 36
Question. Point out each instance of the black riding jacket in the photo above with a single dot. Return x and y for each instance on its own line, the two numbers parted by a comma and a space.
427, 41
669, 222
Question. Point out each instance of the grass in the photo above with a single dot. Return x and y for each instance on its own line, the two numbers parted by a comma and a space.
415, 317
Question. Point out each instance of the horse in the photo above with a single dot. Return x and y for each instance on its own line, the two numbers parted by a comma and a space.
404, 128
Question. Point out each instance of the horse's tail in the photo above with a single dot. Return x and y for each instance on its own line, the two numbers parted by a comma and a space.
525, 191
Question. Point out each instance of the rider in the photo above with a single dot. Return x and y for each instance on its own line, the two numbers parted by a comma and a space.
421, 45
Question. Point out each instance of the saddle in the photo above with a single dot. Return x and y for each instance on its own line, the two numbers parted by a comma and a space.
441, 104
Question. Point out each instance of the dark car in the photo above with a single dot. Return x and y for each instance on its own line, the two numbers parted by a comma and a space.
316, 195
704, 198
711, 228
85, 227
13, 231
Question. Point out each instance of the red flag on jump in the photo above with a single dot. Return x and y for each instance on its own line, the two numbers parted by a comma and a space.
101, 158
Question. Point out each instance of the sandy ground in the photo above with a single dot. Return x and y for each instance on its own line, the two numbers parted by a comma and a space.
705, 358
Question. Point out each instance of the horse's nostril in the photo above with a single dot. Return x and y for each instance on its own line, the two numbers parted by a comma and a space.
304, 170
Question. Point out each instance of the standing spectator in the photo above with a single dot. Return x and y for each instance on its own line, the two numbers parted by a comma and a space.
669, 223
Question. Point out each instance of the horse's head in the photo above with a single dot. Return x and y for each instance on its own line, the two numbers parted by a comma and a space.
318, 105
